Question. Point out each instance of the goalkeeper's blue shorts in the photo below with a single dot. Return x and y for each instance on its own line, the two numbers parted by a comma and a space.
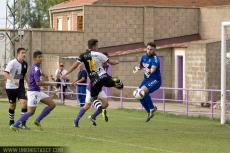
151, 84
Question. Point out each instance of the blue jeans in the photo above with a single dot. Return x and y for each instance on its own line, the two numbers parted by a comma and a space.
82, 90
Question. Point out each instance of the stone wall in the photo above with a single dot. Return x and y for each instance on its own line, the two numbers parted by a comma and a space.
210, 21
204, 69
213, 69
175, 22
195, 70
116, 25
50, 63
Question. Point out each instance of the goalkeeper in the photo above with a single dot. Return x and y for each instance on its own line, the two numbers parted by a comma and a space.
152, 78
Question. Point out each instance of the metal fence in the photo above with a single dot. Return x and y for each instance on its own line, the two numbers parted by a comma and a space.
163, 99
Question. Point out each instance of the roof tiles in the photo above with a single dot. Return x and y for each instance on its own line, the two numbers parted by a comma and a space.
73, 3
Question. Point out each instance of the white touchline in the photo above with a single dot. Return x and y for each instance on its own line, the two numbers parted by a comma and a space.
128, 144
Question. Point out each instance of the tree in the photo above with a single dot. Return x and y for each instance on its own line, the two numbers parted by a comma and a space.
38, 12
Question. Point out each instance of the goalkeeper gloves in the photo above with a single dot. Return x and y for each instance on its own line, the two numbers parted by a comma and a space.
148, 72
136, 68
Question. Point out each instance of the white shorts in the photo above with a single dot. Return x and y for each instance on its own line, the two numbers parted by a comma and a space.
101, 95
34, 97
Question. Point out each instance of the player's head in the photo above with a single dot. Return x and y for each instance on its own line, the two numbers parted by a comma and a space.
151, 49
106, 54
37, 57
21, 52
81, 66
93, 44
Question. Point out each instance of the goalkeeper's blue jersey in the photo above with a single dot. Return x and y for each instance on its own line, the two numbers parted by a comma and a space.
148, 62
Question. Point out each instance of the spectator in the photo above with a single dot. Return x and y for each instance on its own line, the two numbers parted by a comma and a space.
59, 73
82, 75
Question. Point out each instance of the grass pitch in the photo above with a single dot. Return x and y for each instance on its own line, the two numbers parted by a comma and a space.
126, 132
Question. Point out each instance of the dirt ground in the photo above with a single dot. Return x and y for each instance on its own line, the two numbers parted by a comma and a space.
176, 108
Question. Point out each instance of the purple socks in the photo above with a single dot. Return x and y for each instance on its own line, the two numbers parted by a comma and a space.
96, 113
44, 113
80, 114
22, 119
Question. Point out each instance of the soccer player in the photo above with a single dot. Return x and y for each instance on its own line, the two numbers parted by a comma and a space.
101, 96
34, 94
97, 74
15, 73
152, 78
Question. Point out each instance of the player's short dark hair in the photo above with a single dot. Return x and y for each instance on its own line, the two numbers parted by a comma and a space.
36, 53
153, 44
19, 50
105, 53
92, 42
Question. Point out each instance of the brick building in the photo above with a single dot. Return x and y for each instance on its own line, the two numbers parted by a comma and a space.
69, 14
125, 29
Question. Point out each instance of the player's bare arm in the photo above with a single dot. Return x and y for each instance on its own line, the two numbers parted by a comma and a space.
41, 83
26, 79
9, 77
73, 67
113, 62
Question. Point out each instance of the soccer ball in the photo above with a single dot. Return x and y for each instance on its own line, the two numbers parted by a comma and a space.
138, 94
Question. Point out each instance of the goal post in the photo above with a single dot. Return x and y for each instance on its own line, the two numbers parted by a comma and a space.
223, 70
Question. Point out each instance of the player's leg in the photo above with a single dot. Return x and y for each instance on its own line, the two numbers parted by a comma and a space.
94, 92
105, 104
32, 104
12, 100
83, 109
44, 98
144, 103
96, 87
99, 107
23, 100
23, 118
51, 105
24, 110
118, 82
103, 98
11, 113
150, 87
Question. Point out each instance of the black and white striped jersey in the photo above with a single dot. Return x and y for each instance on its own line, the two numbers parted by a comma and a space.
92, 61
17, 71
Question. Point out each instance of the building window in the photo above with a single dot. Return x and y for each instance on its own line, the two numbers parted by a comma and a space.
80, 23
68, 20
59, 24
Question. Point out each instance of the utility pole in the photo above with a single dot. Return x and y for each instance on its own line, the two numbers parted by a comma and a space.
17, 16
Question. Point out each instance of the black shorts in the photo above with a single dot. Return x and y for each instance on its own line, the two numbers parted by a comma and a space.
16, 93
99, 82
